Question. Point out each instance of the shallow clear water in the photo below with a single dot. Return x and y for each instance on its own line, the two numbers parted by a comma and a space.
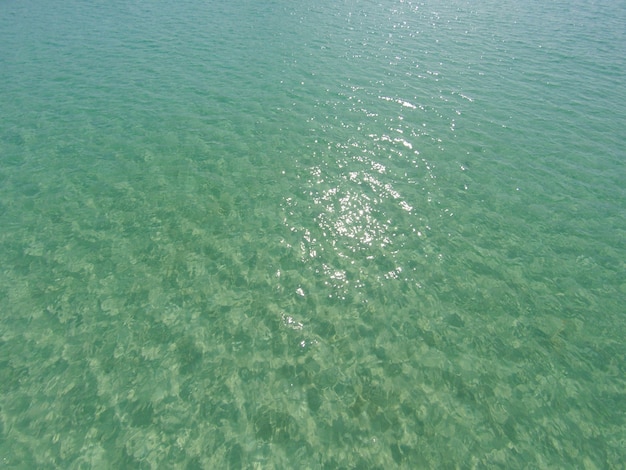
344, 235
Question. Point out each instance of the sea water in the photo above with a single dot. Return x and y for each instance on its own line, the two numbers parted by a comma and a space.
331, 234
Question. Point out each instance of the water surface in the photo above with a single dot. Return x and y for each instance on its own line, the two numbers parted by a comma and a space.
341, 235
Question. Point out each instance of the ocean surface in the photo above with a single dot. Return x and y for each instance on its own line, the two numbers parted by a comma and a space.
318, 235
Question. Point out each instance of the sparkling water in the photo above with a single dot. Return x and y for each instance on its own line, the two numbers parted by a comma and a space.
331, 234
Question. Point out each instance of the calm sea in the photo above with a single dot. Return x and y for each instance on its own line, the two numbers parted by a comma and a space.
318, 235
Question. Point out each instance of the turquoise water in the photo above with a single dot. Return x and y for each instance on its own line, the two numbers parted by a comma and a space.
312, 234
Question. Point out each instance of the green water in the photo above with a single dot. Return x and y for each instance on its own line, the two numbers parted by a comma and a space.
312, 235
